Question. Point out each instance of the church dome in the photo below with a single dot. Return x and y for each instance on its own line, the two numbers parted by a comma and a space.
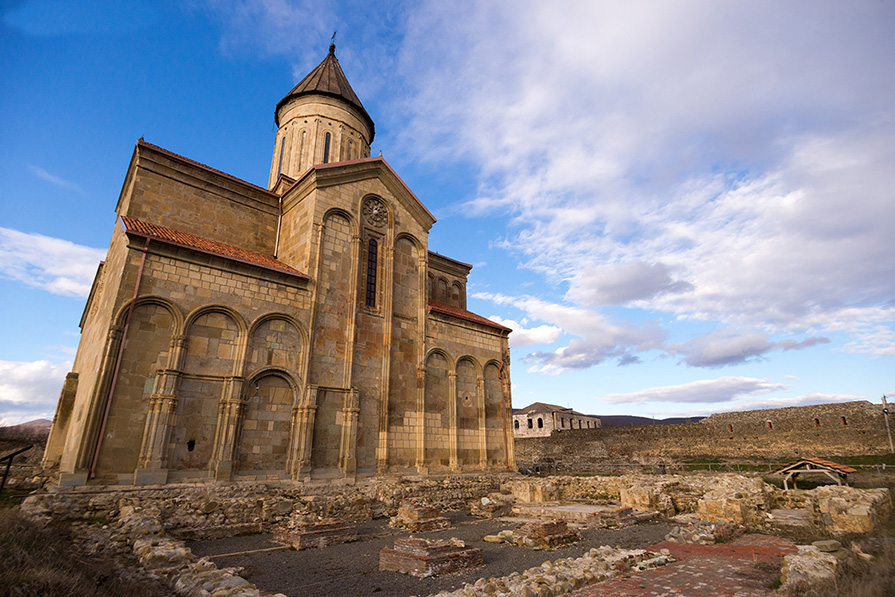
327, 79
320, 121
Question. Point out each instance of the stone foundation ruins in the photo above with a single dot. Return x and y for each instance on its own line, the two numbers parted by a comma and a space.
152, 523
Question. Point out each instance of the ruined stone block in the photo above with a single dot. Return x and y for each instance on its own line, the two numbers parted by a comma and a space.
306, 536
545, 535
424, 558
419, 517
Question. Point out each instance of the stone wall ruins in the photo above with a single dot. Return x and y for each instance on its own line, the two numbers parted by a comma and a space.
828, 430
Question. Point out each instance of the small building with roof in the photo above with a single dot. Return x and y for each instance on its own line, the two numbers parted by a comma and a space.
541, 419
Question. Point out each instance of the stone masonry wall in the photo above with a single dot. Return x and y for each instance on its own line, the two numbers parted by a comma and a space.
792, 433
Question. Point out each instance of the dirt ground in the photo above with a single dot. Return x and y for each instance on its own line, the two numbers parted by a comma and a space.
353, 568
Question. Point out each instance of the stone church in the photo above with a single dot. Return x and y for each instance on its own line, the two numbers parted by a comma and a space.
298, 331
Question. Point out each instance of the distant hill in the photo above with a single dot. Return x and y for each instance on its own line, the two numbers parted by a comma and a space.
36, 429
36, 424
634, 421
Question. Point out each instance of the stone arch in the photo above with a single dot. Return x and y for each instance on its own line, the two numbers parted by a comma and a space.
430, 287
457, 295
146, 350
409, 237
339, 212
216, 308
277, 340
441, 290
150, 299
469, 412
265, 426
437, 419
212, 362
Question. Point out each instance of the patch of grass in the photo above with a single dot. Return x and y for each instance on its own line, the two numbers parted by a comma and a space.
887, 459
44, 561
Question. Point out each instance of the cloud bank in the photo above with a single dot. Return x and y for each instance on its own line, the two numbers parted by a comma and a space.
52, 264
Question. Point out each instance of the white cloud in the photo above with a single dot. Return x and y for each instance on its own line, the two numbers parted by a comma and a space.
52, 264
522, 336
29, 390
722, 162
599, 338
619, 284
719, 348
722, 389
56, 180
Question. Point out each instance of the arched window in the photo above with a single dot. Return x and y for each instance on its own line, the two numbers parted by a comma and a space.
326, 141
730, 428
770, 426
844, 422
540, 423
516, 424
372, 251
817, 422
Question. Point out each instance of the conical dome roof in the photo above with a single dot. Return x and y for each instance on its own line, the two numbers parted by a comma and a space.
327, 79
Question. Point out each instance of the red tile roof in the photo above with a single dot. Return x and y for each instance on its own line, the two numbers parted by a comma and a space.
817, 461
197, 243
445, 309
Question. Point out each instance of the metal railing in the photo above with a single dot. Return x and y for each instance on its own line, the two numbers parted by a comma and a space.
8, 458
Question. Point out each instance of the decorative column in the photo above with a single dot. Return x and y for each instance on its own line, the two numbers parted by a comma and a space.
507, 406
348, 444
303, 434
452, 420
483, 431
152, 463
229, 416
351, 324
421, 467
388, 267
90, 436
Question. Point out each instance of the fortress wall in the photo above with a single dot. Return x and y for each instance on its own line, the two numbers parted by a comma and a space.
793, 432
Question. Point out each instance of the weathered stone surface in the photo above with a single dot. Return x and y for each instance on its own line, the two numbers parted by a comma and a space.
808, 566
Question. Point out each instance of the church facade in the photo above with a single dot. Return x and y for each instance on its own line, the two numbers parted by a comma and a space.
298, 331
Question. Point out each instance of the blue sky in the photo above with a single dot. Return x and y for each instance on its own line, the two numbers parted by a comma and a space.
681, 207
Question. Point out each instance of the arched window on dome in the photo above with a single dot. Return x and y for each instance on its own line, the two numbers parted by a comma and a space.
326, 142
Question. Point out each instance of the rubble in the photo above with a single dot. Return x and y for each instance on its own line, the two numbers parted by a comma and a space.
702, 532
494, 505
565, 574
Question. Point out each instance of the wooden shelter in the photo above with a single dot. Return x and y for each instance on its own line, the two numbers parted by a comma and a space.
837, 472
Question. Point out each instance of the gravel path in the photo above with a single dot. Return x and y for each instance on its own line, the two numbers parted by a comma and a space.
352, 569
